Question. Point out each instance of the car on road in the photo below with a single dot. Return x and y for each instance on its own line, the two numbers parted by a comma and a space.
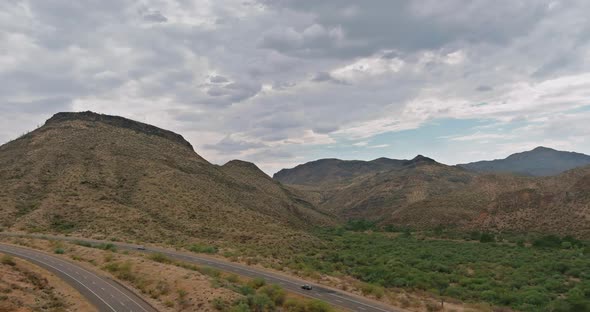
140, 247
306, 287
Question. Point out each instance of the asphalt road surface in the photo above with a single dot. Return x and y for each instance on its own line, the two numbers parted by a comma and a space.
105, 294
291, 284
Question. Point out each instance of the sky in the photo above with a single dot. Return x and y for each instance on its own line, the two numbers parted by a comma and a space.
283, 82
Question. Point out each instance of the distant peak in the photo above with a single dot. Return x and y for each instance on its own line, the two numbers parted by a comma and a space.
241, 163
418, 160
422, 158
542, 148
118, 121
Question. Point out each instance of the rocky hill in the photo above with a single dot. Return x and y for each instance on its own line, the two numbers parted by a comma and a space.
106, 176
541, 161
331, 171
424, 194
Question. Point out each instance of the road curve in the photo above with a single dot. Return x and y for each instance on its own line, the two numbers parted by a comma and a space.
335, 297
105, 294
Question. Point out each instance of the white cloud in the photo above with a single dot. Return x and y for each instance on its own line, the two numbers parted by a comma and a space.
298, 75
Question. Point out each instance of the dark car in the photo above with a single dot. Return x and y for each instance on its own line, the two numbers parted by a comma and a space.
306, 287
140, 247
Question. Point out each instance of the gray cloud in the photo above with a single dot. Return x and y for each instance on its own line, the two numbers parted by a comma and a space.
326, 77
230, 145
290, 75
484, 88
155, 17
218, 79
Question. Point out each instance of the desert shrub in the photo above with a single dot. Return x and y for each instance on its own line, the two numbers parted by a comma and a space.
59, 251
219, 304
158, 257
275, 293
360, 225
122, 271
548, 241
487, 238
83, 244
293, 305
209, 271
260, 303
199, 248
256, 283
318, 306
240, 307
7, 260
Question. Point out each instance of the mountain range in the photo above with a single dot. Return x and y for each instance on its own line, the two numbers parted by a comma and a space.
422, 193
109, 177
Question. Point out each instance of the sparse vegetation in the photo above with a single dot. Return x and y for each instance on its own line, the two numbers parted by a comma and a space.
200, 248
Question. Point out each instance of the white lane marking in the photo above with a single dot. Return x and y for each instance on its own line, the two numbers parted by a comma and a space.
57, 269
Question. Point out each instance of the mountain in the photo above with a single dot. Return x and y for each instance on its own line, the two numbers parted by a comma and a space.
377, 195
424, 194
110, 177
507, 203
330, 171
541, 161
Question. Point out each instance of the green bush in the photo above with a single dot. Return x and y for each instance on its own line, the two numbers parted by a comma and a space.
548, 241
487, 238
7, 260
360, 225
318, 306
260, 303
256, 283
59, 251
219, 304
240, 307
198, 248
275, 293
158, 257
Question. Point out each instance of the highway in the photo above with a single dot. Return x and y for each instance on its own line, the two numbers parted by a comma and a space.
333, 296
105, 294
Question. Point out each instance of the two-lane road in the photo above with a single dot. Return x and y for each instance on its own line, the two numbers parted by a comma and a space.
333, 296
105, 294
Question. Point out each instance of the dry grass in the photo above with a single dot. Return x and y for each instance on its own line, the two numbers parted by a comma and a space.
104, 181
25, 287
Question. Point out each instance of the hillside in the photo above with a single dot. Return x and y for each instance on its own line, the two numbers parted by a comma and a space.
375, 197
541, 161
424, 194
110, 177
495, 202
334, 171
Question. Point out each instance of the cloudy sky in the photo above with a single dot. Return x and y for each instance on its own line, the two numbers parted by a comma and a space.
281, 82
